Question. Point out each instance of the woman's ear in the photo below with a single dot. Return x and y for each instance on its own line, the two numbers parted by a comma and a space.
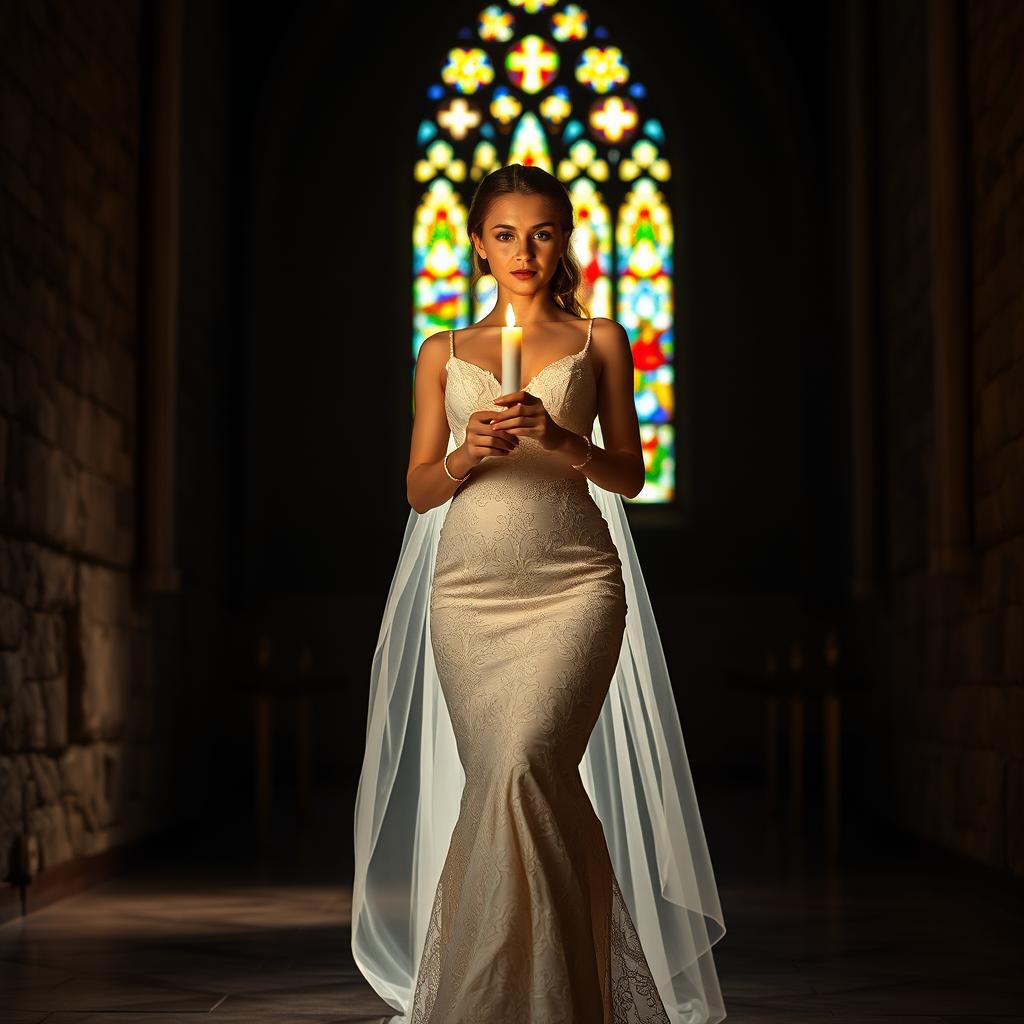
478, 245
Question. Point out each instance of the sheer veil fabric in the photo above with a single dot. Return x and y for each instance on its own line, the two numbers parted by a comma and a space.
635, 771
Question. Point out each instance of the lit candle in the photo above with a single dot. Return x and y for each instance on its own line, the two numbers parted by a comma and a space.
511, 353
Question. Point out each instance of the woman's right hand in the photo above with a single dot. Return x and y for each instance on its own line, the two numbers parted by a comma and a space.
482, 439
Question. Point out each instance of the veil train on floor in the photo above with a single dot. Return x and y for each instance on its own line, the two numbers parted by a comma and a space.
635, 770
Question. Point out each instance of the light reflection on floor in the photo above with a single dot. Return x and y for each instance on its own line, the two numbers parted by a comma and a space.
898, 933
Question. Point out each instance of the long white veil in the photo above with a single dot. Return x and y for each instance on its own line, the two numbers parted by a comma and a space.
635, 771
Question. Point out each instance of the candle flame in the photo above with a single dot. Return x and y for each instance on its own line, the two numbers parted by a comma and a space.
510, 316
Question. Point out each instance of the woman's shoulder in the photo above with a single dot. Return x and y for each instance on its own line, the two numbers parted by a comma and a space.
472, 328
609, 329
434, 347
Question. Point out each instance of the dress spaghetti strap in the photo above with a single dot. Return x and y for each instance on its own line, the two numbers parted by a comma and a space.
590, 329
451, 342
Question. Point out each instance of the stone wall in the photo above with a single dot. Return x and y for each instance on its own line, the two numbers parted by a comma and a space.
995, 623
77, 750
952, 692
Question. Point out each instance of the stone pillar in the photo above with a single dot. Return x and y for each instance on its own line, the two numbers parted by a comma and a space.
863, 332
160, 571
950, 534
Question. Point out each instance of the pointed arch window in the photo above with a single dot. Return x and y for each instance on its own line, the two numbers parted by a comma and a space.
533, 82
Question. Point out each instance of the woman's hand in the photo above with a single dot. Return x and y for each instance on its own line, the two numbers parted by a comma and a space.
482, 439
526, 416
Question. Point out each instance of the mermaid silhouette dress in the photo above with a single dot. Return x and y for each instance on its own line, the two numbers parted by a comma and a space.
527, 612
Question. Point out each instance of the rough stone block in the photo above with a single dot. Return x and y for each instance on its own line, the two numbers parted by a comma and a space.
13, 773
51, 486
4, 443
44, 648
85, 287
12, 676
13, 619
101, 376
17, 183
25, 726
49, 825
104, 693
84, 234
1011, 500
108, 519
12, 567
50, 580
15, 119
993, 577
981, 647
105, 596
83, 326
81, 779
46, 775
79, 171
55, 700
75, 818
1013, 649
1014, 411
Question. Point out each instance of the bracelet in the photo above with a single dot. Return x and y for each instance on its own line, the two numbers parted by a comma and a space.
457, 479
590, 452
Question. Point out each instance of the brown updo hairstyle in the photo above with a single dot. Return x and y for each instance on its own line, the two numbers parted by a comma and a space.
530, 180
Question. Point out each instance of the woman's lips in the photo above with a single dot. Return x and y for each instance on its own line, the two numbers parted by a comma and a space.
524, 275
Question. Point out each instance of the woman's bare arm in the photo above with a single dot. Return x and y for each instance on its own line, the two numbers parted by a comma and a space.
619, 466
427, 485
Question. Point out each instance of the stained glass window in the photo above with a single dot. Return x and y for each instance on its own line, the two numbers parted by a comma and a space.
535, 82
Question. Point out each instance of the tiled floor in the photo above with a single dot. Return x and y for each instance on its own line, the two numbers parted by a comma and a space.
896, 935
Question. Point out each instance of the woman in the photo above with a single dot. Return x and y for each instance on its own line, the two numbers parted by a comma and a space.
527, 922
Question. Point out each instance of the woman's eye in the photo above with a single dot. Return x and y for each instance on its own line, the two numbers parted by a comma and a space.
543, 235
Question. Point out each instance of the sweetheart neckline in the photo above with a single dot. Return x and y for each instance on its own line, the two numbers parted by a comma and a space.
569, 355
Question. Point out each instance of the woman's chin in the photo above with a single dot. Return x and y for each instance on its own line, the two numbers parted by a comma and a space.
523, 286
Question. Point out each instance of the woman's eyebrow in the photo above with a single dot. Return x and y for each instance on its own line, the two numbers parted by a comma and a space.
542, 224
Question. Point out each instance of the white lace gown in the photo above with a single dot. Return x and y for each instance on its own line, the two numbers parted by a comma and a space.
528, 609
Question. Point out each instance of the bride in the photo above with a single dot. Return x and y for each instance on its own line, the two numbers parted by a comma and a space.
528, 846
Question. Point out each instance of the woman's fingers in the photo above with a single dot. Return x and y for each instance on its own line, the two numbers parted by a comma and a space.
488, 440
518, 396
512, 410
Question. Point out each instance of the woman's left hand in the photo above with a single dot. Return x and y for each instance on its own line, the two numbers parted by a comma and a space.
526, 416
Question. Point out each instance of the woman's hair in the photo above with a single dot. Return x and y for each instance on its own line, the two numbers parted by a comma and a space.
530, 180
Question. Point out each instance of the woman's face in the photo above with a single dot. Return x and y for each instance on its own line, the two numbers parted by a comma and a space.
521, 233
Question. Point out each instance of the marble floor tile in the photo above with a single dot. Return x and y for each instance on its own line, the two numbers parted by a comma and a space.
894, 934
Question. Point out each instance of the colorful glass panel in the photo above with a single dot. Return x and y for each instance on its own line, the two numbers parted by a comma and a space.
611, 156
556, 106
458, 118
467, 70
485, 295
531, 63
505, 106
529, 143
569, 24
592, 246
495, 24
440, 262
532, 6
644, 244
614, 118
602, 68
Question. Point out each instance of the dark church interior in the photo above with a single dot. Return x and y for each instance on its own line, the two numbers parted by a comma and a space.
205, 369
